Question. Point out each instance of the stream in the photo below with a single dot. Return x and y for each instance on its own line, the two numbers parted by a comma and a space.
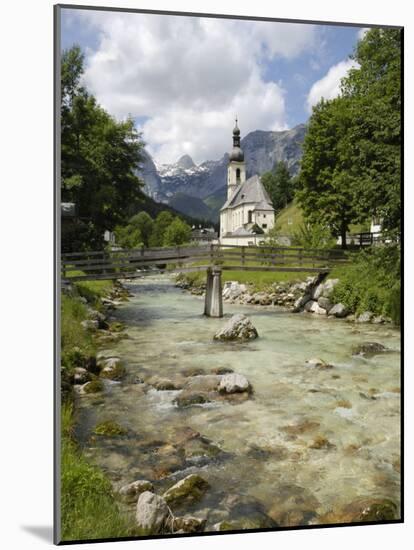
306, 443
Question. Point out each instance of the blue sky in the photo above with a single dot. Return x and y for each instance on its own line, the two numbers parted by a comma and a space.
183, 79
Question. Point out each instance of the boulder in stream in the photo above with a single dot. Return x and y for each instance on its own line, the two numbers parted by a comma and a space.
188, 524
186, 491
368, 348
187, 398
365, 317
112, 368
339, 310
239, 327
152, 513
234, 383
131, 491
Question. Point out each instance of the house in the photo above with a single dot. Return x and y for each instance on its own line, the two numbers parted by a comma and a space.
247, 213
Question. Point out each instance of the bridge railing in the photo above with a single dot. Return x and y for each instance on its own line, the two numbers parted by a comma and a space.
114, 264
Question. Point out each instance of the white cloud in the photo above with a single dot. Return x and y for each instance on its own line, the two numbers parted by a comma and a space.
329, 86
190, 77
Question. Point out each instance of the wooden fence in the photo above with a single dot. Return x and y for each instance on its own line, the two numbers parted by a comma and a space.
145, 261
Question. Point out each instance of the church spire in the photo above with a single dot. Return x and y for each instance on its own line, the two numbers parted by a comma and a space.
236, 153
236, 135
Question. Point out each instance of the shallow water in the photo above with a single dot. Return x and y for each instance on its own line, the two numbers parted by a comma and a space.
355, 405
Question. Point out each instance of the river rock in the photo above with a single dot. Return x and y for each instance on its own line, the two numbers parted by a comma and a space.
378, 320
204, 383
232, 289
164, 384
221, 370
316, 308
90, 324
131, 491
317, 292
80, 375
328, 287
339, 310
188, 524
239, 327
112, 368
234, 383
187, 398
152, 512
325, 303
245, 512
368, 348
94, 386
301, 302
193, 371
95, 315
363, 509
365, 317
186, 491
309, 305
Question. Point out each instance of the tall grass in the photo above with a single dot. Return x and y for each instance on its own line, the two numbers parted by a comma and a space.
88, 507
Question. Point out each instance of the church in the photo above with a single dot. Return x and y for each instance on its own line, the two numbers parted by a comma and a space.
247, 215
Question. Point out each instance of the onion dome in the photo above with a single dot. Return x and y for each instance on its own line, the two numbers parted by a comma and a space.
237, 152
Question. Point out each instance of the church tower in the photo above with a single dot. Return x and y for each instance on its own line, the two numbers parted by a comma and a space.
236, 171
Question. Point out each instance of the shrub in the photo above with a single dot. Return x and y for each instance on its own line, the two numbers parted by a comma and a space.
313, 236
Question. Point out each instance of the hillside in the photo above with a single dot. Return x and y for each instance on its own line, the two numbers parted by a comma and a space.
192, 206
289, 219
175, 183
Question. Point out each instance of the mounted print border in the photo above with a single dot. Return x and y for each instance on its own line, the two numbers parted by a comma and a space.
229, 262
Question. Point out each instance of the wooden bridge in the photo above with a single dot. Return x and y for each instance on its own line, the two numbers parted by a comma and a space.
128, 264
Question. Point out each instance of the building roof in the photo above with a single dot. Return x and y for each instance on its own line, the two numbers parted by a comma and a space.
252, 191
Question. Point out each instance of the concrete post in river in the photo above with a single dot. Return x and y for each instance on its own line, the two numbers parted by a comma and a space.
214, 299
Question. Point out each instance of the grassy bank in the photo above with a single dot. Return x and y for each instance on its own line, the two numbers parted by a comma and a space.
260, 280
88, 507
371, 282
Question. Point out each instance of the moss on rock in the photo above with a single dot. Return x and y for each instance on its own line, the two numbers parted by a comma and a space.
187, 490
110, 428
94, 386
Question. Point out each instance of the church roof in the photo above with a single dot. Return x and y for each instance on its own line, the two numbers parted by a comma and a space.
251, 191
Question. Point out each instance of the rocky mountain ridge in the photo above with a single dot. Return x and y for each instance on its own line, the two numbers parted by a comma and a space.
206, 183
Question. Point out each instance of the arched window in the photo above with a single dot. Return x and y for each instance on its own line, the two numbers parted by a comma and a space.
250, 216
238, 175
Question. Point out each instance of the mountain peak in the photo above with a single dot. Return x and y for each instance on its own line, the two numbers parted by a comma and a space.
185, 162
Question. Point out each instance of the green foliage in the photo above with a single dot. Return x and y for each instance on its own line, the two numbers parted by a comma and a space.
98, 158
177, 233
88, 507
313, 236
371, 282
279, 185
128, 236
350, 169
272, 237
161, 222
323, 190
74, 339
374, 133
144, 224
